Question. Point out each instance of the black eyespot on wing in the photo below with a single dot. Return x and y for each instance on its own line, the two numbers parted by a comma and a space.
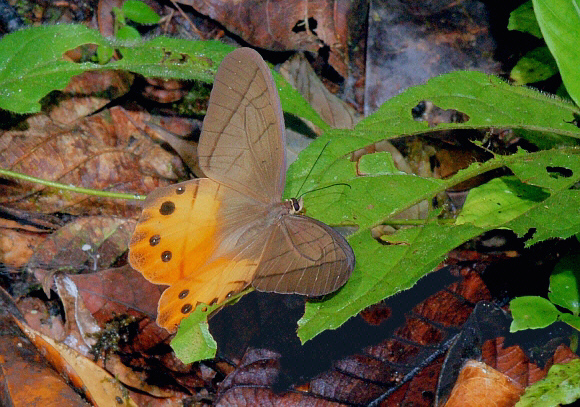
186, 309
183, 294
166, 256
154, 240
167, 208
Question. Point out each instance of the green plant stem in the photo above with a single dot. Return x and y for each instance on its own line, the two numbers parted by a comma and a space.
417, 222
87, 191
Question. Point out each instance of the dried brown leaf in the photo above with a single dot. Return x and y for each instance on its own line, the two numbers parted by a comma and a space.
80, 326
92, 153
27, 379
88, 92
257, 370
85, 244
279, 25
133, 378
361, 378
298, 72
39, 318
17, 245
480, 385
97, 385
123, 291
187, 149
513, 362
153, 159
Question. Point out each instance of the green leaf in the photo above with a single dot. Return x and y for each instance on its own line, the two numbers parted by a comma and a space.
559, 21
565, 284
557, 171
140, 12
543, 182
365, 204
557, 217
544, 140
572, 320
32, 63
375, 199
532, 312
172, 58
193, 341
487, 101
380, 163
293, 102
383, 270
119, 16
499, 201
104, 54
537, 65
560, 386
128, 33
523, 19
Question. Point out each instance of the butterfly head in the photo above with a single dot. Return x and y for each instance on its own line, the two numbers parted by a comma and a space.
295, 205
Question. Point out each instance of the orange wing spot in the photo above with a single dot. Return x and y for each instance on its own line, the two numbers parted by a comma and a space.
167, 208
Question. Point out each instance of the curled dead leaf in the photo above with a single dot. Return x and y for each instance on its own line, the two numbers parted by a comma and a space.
83, 245
277, 25
90, 154
97, 385
480, 385
334, 111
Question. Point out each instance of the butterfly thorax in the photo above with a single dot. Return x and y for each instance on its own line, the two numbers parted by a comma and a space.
266, 218
278, 210
251, 226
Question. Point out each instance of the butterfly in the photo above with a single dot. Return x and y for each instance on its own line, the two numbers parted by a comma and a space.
210, 238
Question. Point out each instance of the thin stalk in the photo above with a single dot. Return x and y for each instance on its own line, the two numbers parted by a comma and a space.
58, 185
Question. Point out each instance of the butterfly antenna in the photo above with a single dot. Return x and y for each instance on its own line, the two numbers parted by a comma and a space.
327, 186
313, 165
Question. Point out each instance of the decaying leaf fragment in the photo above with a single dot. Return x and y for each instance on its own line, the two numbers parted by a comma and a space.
280, 25
98, 386
334, 111
480, 385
